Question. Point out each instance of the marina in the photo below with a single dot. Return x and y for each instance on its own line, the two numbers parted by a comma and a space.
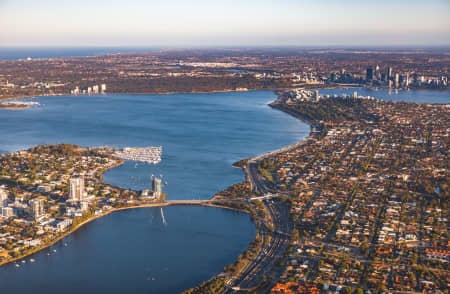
150, 155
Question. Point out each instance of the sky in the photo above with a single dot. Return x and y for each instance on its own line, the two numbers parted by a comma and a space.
155, 23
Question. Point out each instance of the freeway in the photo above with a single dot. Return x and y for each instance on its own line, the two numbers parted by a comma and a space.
275, 241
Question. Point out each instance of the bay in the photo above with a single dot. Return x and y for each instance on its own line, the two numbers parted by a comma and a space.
135, 251
139, 251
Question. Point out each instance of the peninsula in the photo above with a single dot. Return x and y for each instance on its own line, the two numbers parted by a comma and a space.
359, 205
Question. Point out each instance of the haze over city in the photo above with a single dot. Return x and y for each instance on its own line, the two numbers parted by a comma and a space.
224, 23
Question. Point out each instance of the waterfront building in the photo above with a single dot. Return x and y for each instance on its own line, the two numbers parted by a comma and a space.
377, 74
3, 197
7, 212
95, 89
316, 95
355, 94
76, 189
333, 77
396, 80
37, 207
103, 88
157, 187
84, 205
62, 225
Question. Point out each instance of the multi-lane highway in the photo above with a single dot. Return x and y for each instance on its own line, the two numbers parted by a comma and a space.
275, 241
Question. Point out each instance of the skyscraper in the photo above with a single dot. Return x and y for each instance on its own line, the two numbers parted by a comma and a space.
76, 192
369, 74
389, 74
37, 207
157, 187
3, 197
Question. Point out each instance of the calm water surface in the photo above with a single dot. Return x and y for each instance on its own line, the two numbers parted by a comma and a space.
14, 53
421, 96
135, 251
153, 250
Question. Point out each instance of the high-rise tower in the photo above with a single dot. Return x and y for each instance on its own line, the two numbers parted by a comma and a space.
76, 192
157, 187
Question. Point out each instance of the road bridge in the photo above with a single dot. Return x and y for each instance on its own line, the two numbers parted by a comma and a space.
187, 202
266, 196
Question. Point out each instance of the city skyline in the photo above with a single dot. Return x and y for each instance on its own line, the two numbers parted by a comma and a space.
213, 23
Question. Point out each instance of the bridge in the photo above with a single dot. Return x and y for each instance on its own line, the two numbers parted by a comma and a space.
211, 201
188, 202
266, 196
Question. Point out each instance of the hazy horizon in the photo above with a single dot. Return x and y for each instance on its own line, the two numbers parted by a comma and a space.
201, 23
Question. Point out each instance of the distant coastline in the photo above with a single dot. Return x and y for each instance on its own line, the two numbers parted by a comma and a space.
146, 93
17, 105
275, 90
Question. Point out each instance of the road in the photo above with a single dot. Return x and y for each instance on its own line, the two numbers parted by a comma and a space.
278, 239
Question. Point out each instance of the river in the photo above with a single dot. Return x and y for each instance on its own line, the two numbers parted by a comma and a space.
154, 250
135, 251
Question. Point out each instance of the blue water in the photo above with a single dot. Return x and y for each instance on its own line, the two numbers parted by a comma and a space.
134, 252
201, 135
12, 53
421, 96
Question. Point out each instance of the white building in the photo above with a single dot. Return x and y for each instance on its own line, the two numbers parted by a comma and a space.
84, 205
7, 212
76, 186
37, 207
3, 197
62, 225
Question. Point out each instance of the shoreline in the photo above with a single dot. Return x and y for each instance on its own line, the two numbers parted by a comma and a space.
71, 231
313, 127
3, 99
275, 90
314, 130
